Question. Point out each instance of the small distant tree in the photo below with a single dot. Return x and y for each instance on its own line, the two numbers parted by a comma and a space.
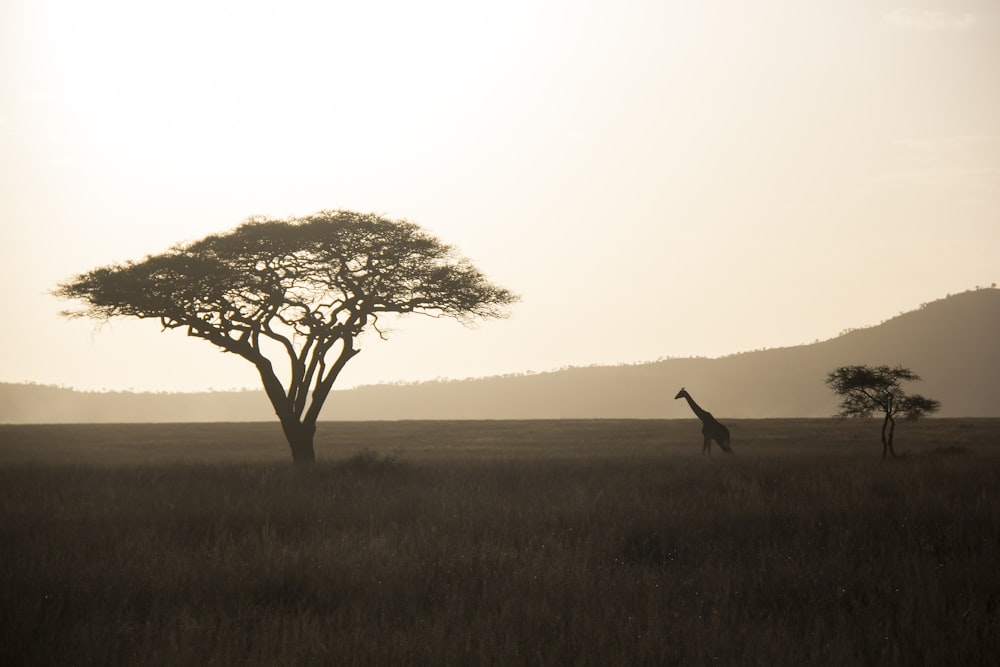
865, 390
301, 290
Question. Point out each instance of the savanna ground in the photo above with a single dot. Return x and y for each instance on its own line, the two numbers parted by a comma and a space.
544, 542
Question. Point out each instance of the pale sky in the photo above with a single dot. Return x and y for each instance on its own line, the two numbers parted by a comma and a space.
654, 178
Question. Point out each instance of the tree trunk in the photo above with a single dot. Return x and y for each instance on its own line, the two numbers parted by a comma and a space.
300, 440
885, 440
888, 431
298, 434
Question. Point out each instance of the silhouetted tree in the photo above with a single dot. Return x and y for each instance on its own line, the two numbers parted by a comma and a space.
301, 289
865, 390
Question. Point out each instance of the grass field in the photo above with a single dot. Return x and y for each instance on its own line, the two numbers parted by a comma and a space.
549, 542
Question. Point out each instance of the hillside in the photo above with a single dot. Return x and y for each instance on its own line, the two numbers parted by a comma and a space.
951, 343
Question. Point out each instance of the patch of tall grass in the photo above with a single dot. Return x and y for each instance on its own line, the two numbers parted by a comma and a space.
597, 560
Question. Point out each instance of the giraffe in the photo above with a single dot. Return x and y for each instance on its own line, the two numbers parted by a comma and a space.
711, 429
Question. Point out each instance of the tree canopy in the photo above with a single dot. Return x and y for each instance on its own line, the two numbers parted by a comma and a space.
865, 390
302, 289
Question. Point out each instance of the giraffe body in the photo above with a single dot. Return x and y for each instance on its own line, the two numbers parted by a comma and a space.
711, 428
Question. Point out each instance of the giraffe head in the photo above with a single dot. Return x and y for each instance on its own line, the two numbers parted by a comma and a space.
681, 394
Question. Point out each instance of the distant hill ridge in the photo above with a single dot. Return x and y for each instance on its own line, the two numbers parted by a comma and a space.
952, 343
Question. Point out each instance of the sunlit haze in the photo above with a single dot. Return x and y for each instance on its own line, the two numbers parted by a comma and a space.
653, 178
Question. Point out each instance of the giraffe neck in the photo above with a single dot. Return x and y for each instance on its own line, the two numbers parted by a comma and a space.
701, 414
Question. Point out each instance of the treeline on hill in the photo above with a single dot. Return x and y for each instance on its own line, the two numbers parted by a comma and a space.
950, 343
40, 404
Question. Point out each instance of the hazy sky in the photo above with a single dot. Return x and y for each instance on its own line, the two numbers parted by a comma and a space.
654, 178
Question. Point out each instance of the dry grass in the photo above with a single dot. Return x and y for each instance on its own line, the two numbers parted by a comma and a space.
502, 543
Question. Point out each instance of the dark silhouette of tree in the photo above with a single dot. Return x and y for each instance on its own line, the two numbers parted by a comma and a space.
865, 390
301, 290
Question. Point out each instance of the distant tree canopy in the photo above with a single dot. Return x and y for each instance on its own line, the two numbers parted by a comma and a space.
865, 390
301, 289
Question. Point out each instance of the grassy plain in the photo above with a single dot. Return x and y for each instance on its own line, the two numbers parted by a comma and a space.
548, 542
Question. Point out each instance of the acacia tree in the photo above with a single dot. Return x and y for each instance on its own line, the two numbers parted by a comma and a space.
865, 390
301, 290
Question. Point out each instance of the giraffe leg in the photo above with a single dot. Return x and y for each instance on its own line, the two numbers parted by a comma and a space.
707, 447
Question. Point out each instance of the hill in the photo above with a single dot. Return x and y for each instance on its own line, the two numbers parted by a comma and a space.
951, 343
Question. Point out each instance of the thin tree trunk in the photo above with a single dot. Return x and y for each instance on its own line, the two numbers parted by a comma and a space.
885, 441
